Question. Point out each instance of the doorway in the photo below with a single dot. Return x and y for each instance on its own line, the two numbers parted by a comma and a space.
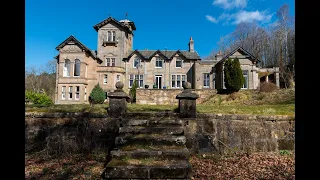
158, 81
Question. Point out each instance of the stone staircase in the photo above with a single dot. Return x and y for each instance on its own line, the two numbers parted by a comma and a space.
149, 149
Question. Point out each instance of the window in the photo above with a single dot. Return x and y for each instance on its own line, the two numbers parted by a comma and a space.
108, 62
113, 36
77, 92
139, 79
130, 80
159, 62
85, 93
70, 92
63, 92
109, 36
178, 63
105, 79
136, 62
113, 61
76, 67
177, 80
66, 68
206, 80
118, 78
183, 79
245, 75
173, 81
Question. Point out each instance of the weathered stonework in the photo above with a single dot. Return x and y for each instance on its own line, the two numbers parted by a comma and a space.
206, 133
168, 96
187, 102
118, 101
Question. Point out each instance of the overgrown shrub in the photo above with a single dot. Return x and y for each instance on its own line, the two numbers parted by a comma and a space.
268, 87
133, 91
38, 98
97, 95
233, 75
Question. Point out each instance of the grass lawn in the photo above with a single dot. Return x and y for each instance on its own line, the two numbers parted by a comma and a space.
275, 109
280, 102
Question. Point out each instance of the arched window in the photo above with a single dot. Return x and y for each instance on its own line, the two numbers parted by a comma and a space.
77, 67
66, 68
109, 36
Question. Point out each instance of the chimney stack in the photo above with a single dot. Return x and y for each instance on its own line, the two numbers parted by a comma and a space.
218, 56
191, 45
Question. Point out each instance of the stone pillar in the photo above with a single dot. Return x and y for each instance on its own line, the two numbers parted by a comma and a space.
187, 102
118, 101
267, 79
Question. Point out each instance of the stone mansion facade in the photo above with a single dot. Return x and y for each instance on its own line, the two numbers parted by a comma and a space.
79, 69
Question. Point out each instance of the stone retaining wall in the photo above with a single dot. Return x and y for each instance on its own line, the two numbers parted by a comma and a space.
66, 132
168, 96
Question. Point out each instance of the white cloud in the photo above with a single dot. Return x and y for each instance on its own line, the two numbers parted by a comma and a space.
230, 4
243, 16
247, 16
211, 19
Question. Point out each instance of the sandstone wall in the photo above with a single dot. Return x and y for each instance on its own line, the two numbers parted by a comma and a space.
168, 96
70, 132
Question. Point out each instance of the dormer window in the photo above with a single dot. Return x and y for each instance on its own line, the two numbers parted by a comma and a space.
136, 62
178, 63
159, 62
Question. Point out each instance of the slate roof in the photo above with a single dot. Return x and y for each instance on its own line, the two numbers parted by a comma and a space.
168, 54
111, 19
241, 49
77, 42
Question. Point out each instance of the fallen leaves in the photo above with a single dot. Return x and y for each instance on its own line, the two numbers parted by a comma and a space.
244, 166
253, 166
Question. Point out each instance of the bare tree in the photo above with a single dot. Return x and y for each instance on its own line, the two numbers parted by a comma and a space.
41, 79
274, 45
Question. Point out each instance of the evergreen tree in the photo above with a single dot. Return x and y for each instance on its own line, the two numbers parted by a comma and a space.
233, 76
133, 90
97, 95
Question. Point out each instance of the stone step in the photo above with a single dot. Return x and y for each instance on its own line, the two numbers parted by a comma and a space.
178, 152
141, 122
149, 139
174, 130
147, 168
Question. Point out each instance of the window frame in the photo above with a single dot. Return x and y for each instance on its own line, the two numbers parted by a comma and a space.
131, 78
113, 62
66, 70
109, 36
113, 36
63, 92
70, 89
180, 60
159, 59
77, 92
206, 80
134, 60
139, 78
174, 80
108, 60
76, 61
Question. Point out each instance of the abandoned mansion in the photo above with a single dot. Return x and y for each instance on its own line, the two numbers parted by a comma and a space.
79, 68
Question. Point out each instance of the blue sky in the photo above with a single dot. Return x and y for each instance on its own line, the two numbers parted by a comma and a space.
160, 24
